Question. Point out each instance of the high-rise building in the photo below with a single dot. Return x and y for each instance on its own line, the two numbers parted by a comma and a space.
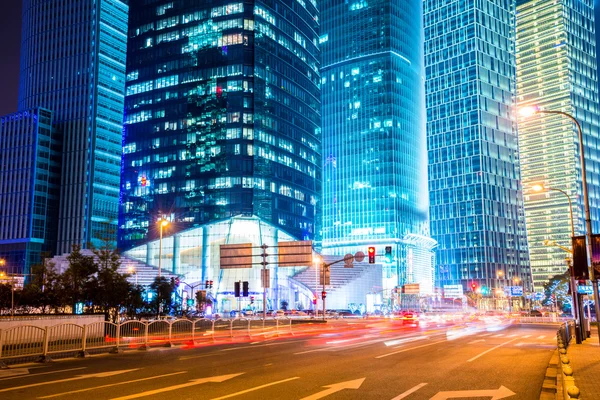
556, 71
374, 142
30, 153
474, 179
222, 116
73, 63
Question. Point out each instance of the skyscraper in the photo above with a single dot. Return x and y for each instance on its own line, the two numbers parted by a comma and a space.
474, 178
222, 116
374, 143
29, 186
73, 63
556, 71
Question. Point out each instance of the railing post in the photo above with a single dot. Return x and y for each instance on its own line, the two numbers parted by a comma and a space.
2, 363
194, 331
231, 328
83, 352
145, 345
44, 358
170, 341
213, 329
115, 350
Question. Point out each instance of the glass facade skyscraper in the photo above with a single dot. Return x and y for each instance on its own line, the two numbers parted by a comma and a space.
556, 71
374, 142
474, 178
222, 116
73, 63
30, 154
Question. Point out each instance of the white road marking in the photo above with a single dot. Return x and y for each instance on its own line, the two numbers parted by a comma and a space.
192, 357
255, 388
476, 341
487, 334
262, 345
527, 336
513, 335
313, 351
493, 348
409, 392
42, 373
216, 379
495, 394
111, 384
499, 335
541, 337
76, 378
411, 348
355, 384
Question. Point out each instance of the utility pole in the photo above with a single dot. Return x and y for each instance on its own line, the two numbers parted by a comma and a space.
323, 293
265, 278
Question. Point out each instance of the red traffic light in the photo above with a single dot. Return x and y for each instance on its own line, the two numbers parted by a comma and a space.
473, 286
323, 295
371, 253
314, 299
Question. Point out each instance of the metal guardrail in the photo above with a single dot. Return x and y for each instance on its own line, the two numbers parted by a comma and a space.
28, 340
564, 335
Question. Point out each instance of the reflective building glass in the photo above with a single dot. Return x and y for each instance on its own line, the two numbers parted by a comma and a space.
474, 178
222, 115
374, 142
556, 71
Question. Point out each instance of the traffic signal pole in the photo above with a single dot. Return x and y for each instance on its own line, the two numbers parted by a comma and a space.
323, 293
264, 275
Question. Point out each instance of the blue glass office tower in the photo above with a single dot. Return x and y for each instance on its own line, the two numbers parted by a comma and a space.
374, 142
30, 155
73, 63
474, 179
222, 116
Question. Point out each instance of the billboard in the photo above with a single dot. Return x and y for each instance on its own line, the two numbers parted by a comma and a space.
580, 261
513, 290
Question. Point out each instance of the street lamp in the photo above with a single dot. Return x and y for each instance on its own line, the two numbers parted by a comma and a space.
529, 111
161, 223
132, 270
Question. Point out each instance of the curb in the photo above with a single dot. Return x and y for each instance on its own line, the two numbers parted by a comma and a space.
551, 382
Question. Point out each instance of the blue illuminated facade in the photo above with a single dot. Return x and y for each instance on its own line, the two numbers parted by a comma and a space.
222, 116
30, 155
374, 140
73, 63
474, 178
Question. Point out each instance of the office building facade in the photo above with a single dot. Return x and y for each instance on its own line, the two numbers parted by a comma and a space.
73, 63
30, 155
557, 71
222, 116
474, 177
374, 144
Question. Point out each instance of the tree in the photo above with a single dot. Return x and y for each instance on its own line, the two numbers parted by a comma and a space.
43, 292
162, 302
202, 300
558, 286
77, 280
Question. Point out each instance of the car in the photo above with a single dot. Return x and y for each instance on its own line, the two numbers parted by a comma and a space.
279, 313
248, 313
410, 319
535, 313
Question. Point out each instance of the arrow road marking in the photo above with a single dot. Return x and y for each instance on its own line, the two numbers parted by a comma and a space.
493, 348
336, 387
255, 388
41, 373
495, 394
110, 385
216, 379
409, 392
77, 378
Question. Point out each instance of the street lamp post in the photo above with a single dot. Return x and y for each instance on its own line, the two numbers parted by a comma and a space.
162, 223
132, 270
574, 299
586, 200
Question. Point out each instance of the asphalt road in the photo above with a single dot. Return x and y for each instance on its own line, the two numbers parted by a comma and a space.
344, 360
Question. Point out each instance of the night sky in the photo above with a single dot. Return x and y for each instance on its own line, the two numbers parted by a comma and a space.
10, 32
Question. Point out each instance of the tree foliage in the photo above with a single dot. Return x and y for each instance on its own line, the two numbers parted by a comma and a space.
558, 286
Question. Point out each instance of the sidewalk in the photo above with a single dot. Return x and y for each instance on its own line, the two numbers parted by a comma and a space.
585, 360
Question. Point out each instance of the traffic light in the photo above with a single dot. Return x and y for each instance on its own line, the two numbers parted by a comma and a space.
236, 288
210, 284
315, 299
251, 299
388, 254
245, 288
473, 286
323, 295
190, 302
206, 283
371, 255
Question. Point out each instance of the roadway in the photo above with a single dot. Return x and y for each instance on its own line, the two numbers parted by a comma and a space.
343, 360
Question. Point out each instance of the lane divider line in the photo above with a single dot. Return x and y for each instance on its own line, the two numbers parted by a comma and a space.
255, 388
411, 348
409, 392
493, 348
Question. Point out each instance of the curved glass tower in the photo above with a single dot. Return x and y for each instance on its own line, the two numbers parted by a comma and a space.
222, 115
374, 140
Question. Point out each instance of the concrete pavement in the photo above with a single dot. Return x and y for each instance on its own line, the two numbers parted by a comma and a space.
361, 360
585, 361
